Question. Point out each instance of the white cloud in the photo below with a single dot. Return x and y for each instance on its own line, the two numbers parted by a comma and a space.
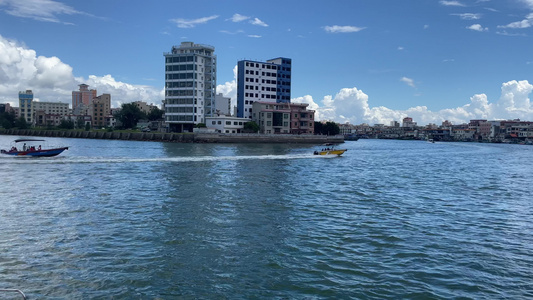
184, 23
229, 89
477, 27
400, 48
52, 80
426, 26
528, 3
468, 16
451, 3
258, 22
238, 18
526, 23
40, 10
342, 29
254, 36
410, 82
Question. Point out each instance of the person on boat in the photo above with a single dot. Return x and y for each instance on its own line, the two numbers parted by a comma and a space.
39, 148
24, 147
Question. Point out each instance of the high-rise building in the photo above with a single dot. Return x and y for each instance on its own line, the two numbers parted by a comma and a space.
268, 81
83, 97
26, 105
190, 86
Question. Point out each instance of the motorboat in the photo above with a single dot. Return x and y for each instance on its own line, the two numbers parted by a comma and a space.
330, 151
33, 148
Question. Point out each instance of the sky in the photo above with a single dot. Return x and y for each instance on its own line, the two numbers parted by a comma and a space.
356, 61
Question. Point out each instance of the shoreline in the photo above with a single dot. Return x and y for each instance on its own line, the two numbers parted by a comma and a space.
180, 137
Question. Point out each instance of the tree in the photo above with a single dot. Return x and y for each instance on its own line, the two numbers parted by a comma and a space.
7, 119
66, 124
80, 123
129, 115
318, 127
21, 123
330, 128
251, 127
155, 114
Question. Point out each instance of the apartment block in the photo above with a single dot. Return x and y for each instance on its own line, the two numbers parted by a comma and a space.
268, 81
190, 86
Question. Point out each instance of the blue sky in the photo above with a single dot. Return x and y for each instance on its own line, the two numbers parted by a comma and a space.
356, 61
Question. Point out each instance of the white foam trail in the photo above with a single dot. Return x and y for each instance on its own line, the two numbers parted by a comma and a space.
181, 159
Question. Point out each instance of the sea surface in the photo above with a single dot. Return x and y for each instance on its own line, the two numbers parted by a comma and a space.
387, 220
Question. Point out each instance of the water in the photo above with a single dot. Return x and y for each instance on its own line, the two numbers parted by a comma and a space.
387, 220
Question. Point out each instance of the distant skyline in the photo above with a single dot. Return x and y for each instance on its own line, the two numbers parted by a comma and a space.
354, 61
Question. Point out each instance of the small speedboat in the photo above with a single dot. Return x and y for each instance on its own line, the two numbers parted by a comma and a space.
330, 151
32, 147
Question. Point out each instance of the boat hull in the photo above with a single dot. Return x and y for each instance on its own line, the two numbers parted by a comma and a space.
37, 153
338, 152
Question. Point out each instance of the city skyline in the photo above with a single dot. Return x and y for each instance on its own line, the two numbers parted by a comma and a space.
353, 61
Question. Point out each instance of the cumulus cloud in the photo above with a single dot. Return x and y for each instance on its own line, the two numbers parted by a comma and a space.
477, 27
52, 80
229, 89
342, 29
184, 23
526, 23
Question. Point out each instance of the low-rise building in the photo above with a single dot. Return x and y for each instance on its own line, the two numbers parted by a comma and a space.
226, 124
272, 117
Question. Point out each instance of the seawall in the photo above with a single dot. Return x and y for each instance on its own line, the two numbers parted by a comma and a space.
180, 137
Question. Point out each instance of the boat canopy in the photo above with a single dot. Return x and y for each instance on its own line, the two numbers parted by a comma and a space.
28, 140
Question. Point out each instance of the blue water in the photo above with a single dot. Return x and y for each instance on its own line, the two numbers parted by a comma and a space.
387, 220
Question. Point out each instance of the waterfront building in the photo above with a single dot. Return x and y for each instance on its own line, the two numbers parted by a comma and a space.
463, 134
268, 81
101, 110
347, 129
190, 86
144, 107
222, 105
82, 97
272, 117
302, 120
49, 113
26, 105
408, 122
226, 124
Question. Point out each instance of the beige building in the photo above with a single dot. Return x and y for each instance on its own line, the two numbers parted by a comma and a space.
101, 110
144, 107
50, 113
272, 117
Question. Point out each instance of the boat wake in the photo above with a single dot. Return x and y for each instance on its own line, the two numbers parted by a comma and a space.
183, 159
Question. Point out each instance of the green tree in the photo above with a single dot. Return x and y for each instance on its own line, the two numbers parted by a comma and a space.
318, 127
80, 123
329, 128
251, 127
87, 126
129, 115
155, 114
21, 123
66, 124
8, 119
